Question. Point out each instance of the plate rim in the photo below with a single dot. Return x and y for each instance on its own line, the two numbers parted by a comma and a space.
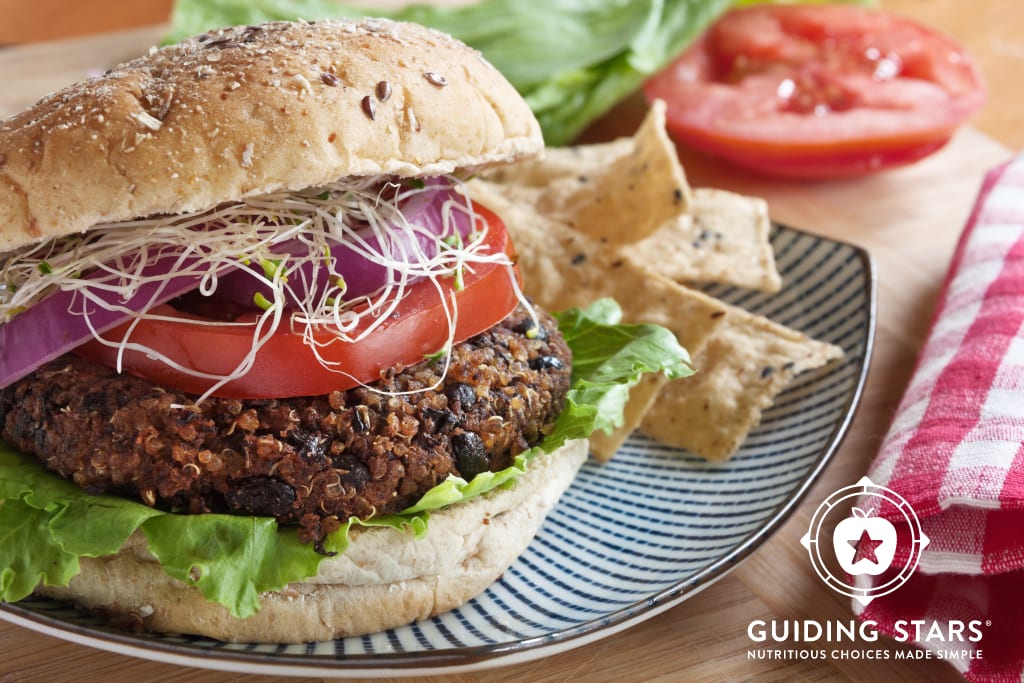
474, 658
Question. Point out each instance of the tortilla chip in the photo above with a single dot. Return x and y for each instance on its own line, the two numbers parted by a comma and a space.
740, 371
562, 268
725, 240
618, 192
713, 236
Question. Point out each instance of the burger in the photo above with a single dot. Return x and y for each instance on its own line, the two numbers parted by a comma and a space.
267, 372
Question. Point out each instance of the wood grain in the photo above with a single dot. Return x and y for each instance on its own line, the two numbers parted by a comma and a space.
908, 219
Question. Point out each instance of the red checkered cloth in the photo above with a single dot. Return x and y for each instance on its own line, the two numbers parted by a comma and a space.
955, 450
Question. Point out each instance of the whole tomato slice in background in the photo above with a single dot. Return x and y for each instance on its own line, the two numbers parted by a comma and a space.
285, 366
818, 91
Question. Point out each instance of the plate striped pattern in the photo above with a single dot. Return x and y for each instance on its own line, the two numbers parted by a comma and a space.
630, 538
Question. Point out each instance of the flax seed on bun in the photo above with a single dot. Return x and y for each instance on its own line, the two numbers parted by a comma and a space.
249, 110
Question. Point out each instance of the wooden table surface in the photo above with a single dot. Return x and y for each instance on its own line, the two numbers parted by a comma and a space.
908, 219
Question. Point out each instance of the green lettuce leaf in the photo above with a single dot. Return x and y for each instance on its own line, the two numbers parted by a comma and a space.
47, 524
24, 561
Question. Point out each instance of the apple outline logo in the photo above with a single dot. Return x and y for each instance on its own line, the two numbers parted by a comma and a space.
812, 541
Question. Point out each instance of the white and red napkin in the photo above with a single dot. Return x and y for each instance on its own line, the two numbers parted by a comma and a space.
955, 450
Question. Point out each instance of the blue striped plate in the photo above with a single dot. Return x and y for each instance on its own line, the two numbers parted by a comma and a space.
630, 538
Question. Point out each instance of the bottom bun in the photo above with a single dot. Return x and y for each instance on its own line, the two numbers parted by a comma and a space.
386, 578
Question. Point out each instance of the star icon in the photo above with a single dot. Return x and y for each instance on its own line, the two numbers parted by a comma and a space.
865, 546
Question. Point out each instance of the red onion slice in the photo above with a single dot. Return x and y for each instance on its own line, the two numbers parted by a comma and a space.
58, 323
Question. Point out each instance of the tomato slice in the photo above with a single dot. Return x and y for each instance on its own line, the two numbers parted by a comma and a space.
286, 366
816, 91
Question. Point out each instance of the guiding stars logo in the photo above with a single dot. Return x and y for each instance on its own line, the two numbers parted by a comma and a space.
865, 543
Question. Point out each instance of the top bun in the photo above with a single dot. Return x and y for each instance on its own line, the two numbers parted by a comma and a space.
250, 110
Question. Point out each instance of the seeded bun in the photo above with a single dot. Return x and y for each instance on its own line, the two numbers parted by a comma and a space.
385, 579
249, 110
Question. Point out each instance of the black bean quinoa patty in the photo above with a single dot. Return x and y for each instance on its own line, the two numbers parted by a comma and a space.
309, 461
